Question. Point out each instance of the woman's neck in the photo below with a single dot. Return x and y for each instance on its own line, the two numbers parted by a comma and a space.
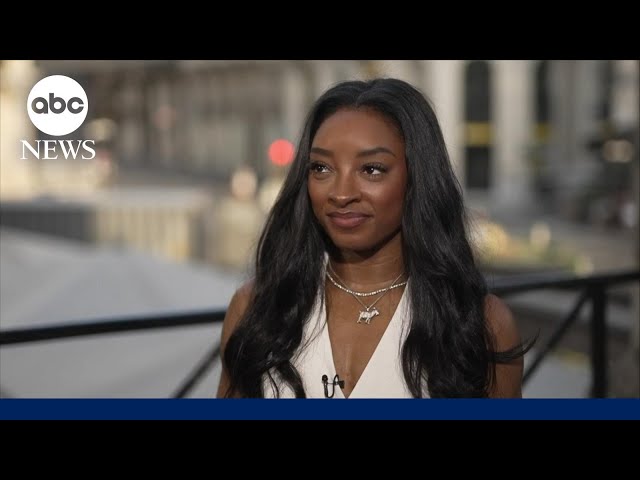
367, 271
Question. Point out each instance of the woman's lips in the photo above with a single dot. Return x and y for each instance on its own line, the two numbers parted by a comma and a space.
349, 220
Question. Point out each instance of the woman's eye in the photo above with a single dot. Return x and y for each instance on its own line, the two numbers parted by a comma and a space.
374, 170
316, 167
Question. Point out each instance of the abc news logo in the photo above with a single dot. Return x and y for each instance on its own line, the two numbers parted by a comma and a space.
40, 105
57, 105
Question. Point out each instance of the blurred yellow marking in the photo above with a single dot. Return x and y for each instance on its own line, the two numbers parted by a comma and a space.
478, 134
571, 357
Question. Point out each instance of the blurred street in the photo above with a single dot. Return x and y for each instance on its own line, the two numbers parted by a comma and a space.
45, 281
70, 281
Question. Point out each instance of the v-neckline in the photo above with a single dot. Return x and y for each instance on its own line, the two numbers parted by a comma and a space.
329, 347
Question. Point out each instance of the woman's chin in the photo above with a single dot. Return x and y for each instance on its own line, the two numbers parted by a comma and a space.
363, 244
353, 245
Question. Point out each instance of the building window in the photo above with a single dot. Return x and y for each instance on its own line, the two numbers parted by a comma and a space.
606, 94
478, 125
542, 102
538, 156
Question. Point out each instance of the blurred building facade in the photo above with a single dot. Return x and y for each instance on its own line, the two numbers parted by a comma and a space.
517, 130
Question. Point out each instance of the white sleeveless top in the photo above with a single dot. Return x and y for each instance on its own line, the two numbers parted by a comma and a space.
381, 378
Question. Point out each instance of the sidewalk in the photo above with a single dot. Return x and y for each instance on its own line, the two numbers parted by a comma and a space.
47, 281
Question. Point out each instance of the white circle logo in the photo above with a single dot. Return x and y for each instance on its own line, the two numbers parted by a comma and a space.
57, 105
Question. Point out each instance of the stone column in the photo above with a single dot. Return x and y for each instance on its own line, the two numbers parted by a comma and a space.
445, 79
324, 76
513, 126
18, 178
403, 69
294, 105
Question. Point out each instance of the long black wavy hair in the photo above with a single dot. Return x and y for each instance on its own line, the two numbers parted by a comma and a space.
449, 348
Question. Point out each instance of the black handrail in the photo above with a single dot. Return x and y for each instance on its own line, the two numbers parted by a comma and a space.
94, 327
594, 288
556, 337
507, 285
198, 372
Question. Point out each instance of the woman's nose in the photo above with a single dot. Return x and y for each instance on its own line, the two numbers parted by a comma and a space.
344, 189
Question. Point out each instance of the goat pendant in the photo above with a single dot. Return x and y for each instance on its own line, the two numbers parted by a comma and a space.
367, 315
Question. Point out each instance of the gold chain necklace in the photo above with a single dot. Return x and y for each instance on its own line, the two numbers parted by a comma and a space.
359, 294
367, 314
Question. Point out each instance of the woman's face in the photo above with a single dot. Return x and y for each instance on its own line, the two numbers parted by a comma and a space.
357, 179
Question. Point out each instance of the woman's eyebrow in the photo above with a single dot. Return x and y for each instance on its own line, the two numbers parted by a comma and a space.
363, 153
374, 151
322, 151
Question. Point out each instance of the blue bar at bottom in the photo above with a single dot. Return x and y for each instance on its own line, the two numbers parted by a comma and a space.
320, 409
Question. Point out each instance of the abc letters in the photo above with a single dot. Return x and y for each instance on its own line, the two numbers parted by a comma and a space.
53, 101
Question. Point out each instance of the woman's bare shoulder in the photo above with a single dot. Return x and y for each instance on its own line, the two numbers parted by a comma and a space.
501, 322
235, 311
245, 291
237, 307
507, 382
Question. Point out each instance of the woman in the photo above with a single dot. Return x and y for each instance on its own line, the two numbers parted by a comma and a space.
365, 283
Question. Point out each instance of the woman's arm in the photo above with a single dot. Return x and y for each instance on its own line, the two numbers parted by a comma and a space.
508, 379
235, 311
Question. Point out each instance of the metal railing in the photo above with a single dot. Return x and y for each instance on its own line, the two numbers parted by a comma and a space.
592, 289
